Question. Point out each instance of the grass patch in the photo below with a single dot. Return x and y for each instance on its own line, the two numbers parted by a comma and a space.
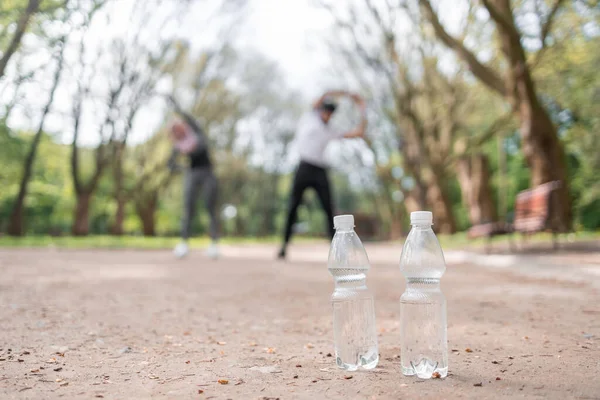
460, 240
126, 242
456, 241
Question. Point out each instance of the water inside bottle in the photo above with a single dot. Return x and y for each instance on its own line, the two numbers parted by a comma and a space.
424, 348
355, 332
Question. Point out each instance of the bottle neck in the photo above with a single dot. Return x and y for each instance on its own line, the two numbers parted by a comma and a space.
354, 281
421, 226
423, 284
344, 229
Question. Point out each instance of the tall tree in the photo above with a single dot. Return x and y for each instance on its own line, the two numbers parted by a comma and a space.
541, 145
139, 71
16, 225
84, 191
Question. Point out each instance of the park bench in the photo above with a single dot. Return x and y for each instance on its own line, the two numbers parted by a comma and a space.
533, 212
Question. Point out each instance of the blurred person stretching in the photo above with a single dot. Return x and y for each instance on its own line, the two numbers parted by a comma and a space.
313, 134
190, 140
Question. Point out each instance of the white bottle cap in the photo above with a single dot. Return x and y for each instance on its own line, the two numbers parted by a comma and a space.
421, 218
343, 221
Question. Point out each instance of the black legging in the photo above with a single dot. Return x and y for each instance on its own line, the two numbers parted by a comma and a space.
309, 176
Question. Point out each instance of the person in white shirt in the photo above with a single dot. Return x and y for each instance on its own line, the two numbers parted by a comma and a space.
313, 134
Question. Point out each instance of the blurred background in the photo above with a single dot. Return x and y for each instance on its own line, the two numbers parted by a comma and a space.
469, 103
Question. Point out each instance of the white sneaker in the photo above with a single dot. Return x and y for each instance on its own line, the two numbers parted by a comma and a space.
212, 251
181, 250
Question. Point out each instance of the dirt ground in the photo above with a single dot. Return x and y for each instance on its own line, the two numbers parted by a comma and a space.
140, 324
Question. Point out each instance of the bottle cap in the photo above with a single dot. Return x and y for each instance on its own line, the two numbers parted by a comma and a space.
421, 217
343, 221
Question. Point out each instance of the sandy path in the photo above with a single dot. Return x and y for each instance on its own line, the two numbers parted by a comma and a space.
137, 325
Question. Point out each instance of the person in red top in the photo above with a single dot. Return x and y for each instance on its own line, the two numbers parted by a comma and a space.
190, 139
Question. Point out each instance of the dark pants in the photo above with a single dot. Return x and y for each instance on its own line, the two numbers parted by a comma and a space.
309, 176
194, 180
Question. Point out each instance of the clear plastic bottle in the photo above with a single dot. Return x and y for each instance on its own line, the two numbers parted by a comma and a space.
354, 327
424, 345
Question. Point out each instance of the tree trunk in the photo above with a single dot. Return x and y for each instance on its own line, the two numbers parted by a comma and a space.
418, 194
437, 198
542, 148
117, 226
148, 223
81, 217
269, 206
546, 158
16, 227
32, 8
474, 178
429, 193
146, 213
119, 193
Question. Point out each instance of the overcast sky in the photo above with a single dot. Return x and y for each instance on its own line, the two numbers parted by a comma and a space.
288, 32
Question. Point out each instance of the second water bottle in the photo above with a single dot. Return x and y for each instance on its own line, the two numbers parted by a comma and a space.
355, 332
424, 346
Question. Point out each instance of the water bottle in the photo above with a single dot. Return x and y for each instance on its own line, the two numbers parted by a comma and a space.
424, 347
354, 328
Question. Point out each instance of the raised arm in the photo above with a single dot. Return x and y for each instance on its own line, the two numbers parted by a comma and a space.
191, 121
359, 131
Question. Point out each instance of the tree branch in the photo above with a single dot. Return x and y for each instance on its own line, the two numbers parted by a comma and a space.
503, 23
545, 31
32, 8
484, 73
475, 143
547, 27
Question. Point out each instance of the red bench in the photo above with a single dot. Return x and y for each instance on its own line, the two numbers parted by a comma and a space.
533, 211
